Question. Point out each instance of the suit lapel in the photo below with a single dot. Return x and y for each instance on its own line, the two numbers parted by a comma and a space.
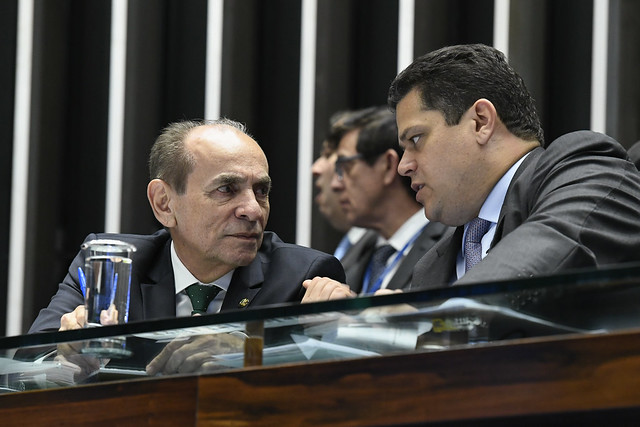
437, 267
158, 289
356, 260
245, 284
515, 207
429, 236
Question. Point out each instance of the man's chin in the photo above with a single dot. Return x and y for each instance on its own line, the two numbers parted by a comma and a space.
244, 259
245, 254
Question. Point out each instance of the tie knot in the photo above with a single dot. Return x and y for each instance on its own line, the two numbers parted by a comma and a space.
383, 253
201, 296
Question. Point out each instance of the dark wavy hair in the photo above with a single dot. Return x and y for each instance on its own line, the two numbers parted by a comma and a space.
450, 80
344, 122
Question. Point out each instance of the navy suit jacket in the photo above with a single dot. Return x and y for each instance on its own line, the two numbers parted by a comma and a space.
274, 276
575, 204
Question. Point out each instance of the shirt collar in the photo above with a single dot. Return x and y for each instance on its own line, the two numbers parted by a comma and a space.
355, 233
491, 207
182, 276
413, 225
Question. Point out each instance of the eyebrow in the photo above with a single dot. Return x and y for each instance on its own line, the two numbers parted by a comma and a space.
403, 136
233, 178
264, 181
228, 178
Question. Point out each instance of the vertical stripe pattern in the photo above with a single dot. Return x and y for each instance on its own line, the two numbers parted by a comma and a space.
83, 123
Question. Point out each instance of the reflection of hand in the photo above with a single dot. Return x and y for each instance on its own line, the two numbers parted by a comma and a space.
389, 309
323, 289
83, 365
73, 320
186, 355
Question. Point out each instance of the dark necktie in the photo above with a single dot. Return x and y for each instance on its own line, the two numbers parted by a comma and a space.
478, 227
201, 296
378, 264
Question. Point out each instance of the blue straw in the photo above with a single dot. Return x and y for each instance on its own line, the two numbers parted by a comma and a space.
83, 282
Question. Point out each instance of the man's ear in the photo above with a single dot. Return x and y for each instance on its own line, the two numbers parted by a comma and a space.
159, 195
486, 118
391, 161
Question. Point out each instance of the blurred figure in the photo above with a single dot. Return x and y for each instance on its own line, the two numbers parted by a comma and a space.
373, 195
323, 169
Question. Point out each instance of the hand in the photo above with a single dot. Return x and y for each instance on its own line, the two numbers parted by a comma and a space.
73, 320
77, 318
194, 354
324, 289
110, 316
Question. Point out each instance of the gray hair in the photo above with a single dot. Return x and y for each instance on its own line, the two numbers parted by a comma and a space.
170, 161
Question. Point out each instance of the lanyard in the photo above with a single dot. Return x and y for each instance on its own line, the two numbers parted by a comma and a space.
367, 276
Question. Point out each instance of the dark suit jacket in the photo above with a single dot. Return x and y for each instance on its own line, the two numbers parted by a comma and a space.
355, 262
574, 204
274, 276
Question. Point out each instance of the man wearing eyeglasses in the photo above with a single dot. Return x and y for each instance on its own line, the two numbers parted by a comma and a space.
355, 239
373, 195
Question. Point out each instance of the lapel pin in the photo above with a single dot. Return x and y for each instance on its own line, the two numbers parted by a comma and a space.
243, 302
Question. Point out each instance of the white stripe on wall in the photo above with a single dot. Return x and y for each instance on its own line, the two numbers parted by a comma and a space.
20, 168
599, 59
501, 26
115, 132
213, 76
406, 23
305, 121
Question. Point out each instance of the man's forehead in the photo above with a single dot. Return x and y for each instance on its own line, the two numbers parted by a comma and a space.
349, 139
212, 135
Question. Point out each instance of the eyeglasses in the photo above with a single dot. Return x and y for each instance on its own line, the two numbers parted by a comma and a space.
341, 161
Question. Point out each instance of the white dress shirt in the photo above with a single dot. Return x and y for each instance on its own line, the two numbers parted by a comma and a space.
490, 211
183, 278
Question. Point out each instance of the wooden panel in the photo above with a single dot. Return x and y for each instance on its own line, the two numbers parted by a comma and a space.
573, 381
142, 402
527, 379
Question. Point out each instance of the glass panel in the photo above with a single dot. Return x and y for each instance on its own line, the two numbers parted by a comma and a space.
586, 302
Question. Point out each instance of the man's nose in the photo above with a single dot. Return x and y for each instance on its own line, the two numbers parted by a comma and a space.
249, 208
407, 165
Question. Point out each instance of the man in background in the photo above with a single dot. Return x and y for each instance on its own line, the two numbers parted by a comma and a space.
323, 169
373, 195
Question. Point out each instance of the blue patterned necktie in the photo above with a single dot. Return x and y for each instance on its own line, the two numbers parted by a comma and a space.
378, 264
478, 227
201, 296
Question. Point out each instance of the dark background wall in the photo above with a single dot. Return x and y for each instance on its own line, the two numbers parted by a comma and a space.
356, 54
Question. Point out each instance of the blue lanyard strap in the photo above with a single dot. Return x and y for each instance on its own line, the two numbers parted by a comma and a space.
367, 288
